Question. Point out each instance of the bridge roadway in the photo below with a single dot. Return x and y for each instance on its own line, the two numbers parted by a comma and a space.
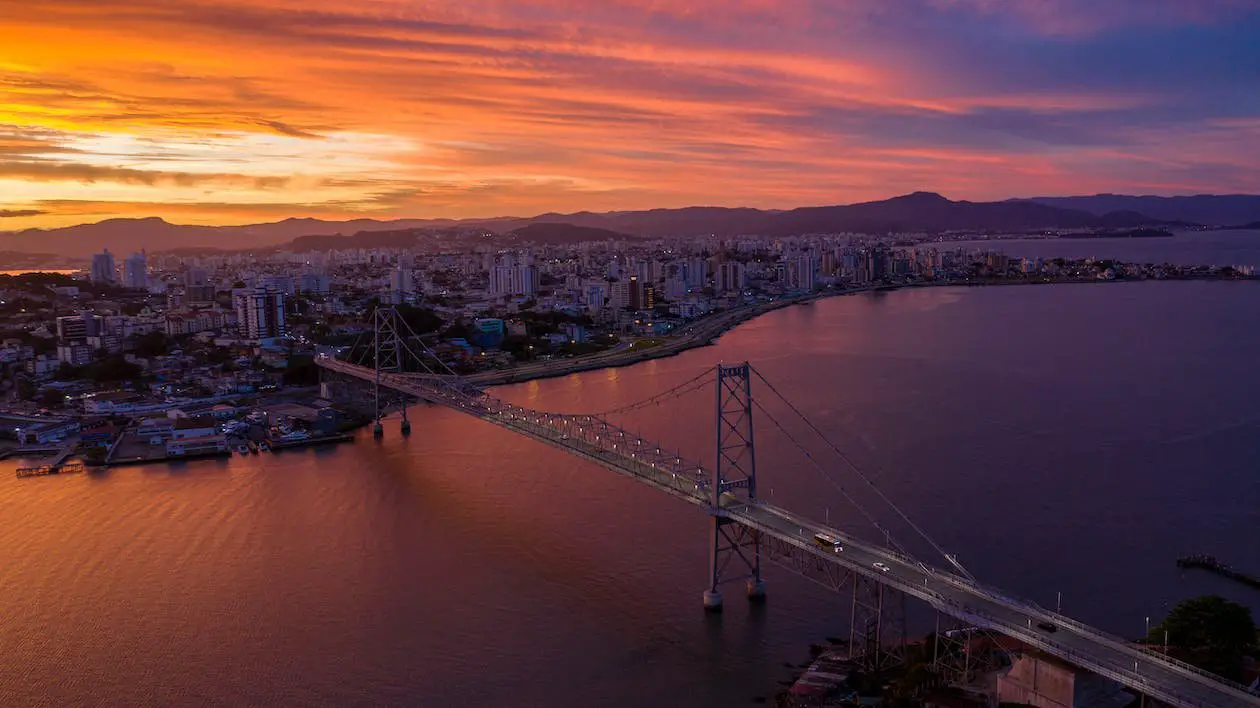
621, 451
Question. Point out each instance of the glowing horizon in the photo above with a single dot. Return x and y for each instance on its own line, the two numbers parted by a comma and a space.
238, 111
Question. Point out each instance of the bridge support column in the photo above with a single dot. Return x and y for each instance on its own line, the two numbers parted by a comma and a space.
877, 628
734, 482
956, 658
406, 424
733, 555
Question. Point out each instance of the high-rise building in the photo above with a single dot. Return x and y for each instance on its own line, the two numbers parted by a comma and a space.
283, 284
697, 273
312, 282
802, 273
103, 270
260, 313
517, 279
401, 285
619, 294
731, 276
596, 296
196, 276
136, 272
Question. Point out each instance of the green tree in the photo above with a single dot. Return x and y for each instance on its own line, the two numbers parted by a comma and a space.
66, 372
301, 371
113, 368
51, 398
1212, 632
421, 320
152, 344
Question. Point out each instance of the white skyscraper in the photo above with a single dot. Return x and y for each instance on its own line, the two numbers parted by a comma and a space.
260, 313
103, 270
136, 272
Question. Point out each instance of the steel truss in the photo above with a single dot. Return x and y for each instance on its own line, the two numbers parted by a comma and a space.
877, 628
954, 658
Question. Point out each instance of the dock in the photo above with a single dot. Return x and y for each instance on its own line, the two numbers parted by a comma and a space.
45, 470
277, 445
55, 465
1211, 564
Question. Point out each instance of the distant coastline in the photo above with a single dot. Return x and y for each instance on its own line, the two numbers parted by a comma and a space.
1134, 233
705, 333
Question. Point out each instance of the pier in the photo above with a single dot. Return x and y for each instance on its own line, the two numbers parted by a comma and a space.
45, 470
1211, 564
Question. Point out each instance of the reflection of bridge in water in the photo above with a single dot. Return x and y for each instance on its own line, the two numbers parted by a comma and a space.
746, 530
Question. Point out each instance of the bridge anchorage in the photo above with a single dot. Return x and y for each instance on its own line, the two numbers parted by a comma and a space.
874, 578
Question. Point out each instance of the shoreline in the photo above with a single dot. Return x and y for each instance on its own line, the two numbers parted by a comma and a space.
708, 332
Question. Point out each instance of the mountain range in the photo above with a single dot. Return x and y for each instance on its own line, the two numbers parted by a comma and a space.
917, 212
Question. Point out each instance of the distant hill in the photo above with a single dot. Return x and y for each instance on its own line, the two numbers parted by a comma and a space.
559, 233
1205, 209
125, 236
930, 212
918, 212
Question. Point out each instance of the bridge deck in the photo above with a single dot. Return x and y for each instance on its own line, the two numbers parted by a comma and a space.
623, 452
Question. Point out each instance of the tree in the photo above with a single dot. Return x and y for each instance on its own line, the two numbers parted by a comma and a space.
51, 398
421, 320
1213, 632
152, 344
301, 371
114, 368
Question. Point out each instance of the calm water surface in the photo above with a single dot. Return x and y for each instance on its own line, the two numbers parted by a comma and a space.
1220, 248
1057, 438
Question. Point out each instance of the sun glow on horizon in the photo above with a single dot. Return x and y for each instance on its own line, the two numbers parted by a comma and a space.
229, 111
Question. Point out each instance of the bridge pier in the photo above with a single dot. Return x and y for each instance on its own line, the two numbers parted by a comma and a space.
712, 601
378, 430
734, 549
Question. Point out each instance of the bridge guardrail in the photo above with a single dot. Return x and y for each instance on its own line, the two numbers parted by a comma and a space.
1087, 630
1129, 677
456, 397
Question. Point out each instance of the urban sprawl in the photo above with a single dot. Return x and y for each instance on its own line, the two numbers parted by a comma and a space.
175, 355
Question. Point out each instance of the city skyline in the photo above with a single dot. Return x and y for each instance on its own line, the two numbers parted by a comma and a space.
225, 111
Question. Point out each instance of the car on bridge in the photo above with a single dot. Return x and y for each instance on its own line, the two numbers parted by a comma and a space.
881, 567
1047, 627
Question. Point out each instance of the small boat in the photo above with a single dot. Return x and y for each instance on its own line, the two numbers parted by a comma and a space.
263, 446
242, 449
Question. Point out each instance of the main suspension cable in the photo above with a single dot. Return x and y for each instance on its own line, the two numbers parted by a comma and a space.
694, 383
823, 473
845, 458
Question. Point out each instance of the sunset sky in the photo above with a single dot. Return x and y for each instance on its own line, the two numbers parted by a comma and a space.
235, 111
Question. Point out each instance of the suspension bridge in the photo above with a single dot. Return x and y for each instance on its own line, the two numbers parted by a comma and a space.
745, 531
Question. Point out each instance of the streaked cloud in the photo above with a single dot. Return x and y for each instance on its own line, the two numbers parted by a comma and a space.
234, 110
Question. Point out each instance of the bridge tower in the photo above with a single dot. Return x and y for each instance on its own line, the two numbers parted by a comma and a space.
734, 550
387, 359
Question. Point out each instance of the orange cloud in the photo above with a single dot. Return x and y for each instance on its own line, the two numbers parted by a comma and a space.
228, 110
